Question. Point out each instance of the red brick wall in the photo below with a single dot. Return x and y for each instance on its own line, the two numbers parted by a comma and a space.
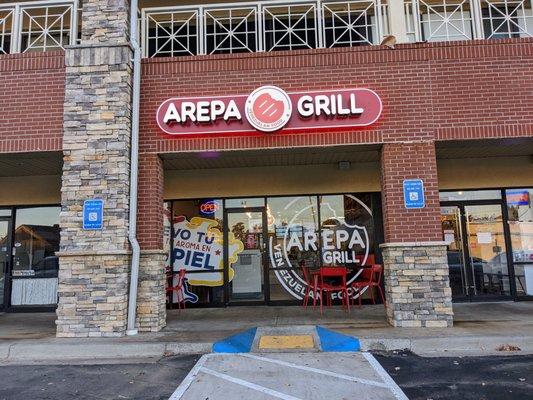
401, 161
32, 90
150, 202
431, 91
442, 91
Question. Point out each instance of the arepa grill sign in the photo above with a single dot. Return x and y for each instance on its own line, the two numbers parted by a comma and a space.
269, 109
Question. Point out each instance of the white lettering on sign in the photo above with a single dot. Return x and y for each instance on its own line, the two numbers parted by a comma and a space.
327, 105
202, 111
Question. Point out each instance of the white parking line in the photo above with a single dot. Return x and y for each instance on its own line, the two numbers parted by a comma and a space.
317, 371
249, 385
388, 382
400, 395
189, 378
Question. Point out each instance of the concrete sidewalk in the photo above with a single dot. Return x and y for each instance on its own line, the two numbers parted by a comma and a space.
480, 328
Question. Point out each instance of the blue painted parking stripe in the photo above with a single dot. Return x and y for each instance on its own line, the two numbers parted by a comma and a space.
334, 341
239, 343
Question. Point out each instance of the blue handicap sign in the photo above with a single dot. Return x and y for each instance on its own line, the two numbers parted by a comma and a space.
413, 193
93, 214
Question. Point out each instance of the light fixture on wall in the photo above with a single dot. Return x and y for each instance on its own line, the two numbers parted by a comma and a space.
344, 165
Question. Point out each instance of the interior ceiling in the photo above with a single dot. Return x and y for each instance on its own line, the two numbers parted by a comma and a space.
27, 164
274, 157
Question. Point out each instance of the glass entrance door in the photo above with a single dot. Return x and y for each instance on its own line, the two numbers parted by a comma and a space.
477, 256
486, 250
246, 275
452, 230
5, 249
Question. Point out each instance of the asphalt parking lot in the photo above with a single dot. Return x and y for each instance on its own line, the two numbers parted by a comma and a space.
467, 378
137, 381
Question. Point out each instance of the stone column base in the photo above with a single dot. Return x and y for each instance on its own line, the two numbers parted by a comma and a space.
417, 285
151, 297
93, 294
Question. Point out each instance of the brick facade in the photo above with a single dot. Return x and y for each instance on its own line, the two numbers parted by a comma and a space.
431, 92
401, 161
32, 88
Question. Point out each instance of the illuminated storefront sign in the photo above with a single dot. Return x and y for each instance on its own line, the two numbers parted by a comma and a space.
209, 207
269, 109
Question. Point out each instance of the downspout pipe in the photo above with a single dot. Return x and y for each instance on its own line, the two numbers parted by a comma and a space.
134, 163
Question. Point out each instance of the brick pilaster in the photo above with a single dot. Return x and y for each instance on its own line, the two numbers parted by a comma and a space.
417, 284
151, 307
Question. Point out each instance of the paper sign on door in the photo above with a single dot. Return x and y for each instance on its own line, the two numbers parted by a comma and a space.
484, 237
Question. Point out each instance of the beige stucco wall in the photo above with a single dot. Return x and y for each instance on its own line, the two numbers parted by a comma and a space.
327, 178
324, 178
45, 189
485, 172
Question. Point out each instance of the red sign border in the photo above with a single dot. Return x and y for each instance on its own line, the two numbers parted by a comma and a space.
268, 133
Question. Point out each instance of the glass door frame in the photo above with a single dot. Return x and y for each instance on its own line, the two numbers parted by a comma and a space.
6, 305
461, 204
265, 256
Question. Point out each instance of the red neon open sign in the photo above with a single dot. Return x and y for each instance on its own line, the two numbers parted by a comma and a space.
209, 207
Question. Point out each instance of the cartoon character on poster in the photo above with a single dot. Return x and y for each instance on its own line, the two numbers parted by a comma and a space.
198, 246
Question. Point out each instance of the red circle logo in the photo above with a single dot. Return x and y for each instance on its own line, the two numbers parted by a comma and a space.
268, 108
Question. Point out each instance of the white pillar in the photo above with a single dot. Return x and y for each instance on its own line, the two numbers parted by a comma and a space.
397, 24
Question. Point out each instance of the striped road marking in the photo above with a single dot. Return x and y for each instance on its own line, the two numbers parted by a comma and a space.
388, 382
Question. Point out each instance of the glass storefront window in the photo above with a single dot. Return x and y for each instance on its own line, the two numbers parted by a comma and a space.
5, 212
197, 246
266, 243
521, 229
294, 240
35, 265
346, 227
466, 195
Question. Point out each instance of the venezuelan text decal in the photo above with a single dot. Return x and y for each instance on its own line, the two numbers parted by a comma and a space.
198, 246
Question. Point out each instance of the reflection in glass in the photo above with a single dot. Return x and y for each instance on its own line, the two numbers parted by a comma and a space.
486, 245
247, 282
4, 255
346, 231
461, 195
453, 236
521, 229
35, 265
293, 228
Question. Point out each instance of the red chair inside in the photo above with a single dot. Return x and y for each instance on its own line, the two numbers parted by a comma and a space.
178, 289
370, 260
370, 277
312, 284
328, 287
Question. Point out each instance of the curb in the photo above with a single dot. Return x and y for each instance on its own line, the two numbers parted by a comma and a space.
60, 351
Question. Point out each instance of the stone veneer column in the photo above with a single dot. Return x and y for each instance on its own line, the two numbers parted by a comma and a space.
94, 265
151, 297
416, 272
